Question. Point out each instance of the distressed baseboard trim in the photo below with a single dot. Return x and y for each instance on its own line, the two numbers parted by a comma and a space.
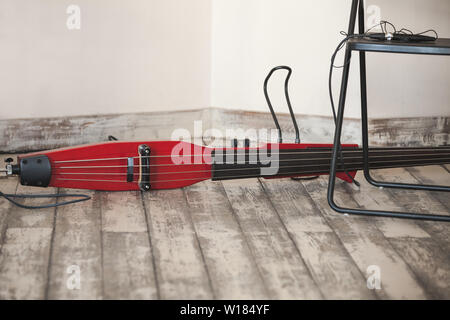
23, 135
410, 132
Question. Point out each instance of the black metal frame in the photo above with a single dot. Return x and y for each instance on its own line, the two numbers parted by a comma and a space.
357, 10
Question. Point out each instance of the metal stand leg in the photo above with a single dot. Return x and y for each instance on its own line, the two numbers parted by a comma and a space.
365, 134
365, 142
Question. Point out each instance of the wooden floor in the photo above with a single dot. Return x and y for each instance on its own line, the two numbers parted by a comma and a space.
245, 239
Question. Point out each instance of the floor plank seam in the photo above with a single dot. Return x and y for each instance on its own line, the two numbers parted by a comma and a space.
419, 278
5, 227
433, 195
292, 239
148, 223
252, 254
327, 221
413, 274
422, 282
445, 167
50, 253
202, 254
4, 230
102, 256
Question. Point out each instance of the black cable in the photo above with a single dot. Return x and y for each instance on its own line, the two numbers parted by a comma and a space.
383, 24
8, 197
405, 31
332, 66
430, 30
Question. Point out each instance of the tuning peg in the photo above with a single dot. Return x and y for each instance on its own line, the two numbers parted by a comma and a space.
235, 143
10, 168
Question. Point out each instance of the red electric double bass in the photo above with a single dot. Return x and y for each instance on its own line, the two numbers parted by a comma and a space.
148, 165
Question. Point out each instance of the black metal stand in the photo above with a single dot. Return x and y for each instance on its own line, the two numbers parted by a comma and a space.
288, 101
440, 47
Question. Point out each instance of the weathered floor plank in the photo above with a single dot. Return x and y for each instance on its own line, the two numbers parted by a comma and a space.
369, 197
425, 252
236, 239
128, 271
366, 244
418, 201
7, 186
397, 231
230, 262
23, 264
180, 267
428, 262
277, 257
77, 247
24, 259
434, 175
331, 266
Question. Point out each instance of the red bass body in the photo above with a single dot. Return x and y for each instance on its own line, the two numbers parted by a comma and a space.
106, 166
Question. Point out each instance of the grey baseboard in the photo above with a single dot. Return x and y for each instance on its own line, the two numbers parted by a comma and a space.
410, 132
23, 135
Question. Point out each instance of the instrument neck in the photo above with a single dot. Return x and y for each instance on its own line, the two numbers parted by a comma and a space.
262, 162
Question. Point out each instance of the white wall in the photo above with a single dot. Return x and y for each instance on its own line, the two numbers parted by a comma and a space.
251, 36
128, 56
153, 55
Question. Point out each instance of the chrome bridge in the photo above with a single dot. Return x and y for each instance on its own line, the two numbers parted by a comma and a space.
144, 167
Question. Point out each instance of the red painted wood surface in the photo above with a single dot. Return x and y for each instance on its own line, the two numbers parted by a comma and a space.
103, 166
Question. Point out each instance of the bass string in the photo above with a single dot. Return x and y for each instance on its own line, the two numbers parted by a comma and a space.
423, 161
434, 156
228, 177
306, 150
